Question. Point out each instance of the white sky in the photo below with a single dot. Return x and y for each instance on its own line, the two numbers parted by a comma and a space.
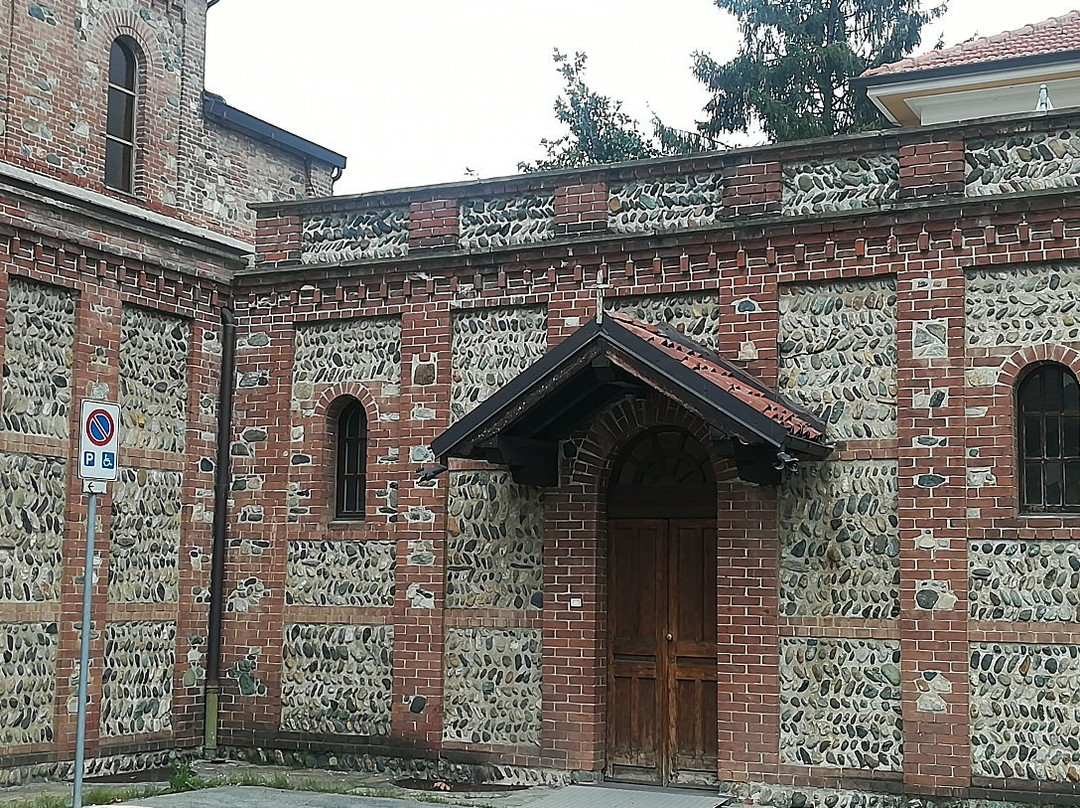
417, 91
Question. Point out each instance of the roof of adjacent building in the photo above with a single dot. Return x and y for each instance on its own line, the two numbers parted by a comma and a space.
1050, 38
217, 110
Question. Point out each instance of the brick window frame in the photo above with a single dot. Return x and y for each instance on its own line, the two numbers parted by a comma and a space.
1047, 407
997, 499
348, 436
125, 82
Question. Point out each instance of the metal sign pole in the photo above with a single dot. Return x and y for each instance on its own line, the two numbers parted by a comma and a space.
99, 464
84, 656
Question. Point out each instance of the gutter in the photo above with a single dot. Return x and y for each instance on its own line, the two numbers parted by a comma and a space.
221, 520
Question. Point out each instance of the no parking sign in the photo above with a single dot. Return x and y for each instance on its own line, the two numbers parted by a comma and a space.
99, 441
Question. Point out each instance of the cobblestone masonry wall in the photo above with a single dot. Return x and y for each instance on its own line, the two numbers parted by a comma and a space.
355, 236
363, 350
137, 677
38, 353
506, 221
1022, 306
673, 203
239, 171
695, 315
847, 183
145, 536
840, 703
495, 539
1022, 162
490, 347
340, 573
840, 540
31, 527
27, 683
337, 680
153, 380
820, 290
1024, 581
838, 354
1023, 711
492, 686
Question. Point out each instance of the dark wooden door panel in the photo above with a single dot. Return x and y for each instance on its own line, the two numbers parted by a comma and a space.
693, 682
636, 606
633, 723
662, 700
695, 722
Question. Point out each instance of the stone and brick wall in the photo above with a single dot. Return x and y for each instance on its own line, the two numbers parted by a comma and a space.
874, 610
95, 309
79, 322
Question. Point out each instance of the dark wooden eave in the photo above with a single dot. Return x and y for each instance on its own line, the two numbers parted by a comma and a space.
522, 423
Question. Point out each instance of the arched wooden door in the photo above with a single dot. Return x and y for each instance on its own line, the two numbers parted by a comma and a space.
661, 707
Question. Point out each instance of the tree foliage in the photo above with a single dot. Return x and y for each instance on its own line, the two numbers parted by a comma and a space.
599, 130
792, 74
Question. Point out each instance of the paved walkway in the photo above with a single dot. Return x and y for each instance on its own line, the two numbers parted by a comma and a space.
280, 787
602, 796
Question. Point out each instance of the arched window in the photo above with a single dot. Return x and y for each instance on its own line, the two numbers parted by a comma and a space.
121, 119
1048, 415
350, 436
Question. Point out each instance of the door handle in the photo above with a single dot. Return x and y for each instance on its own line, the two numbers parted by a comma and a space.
669, 637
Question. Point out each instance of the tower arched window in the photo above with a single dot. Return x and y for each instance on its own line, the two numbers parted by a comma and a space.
1048, 417
350, 438
121, 122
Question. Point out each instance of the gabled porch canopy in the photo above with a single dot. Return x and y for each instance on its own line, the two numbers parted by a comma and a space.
520, 426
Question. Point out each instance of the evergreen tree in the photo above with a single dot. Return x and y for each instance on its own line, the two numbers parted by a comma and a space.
599, 130
792, 74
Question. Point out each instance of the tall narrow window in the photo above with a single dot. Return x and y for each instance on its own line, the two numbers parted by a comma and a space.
1048, 413
351, 437
120, 126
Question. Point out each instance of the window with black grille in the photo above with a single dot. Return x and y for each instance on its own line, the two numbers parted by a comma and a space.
351, 448
121, 117
1048, 410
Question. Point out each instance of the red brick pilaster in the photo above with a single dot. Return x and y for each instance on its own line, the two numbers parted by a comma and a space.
932, 169
421, 529
752, 186
581, 208
95, 370
932, 496
747, 641
434, 224
278, 238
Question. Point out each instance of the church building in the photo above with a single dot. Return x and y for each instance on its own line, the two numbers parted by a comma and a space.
756, 470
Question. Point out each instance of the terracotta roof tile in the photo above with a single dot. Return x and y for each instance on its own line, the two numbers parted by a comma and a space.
1055, 35
727, 377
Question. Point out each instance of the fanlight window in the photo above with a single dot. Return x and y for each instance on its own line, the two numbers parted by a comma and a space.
663, 473
121, 119
1048, 415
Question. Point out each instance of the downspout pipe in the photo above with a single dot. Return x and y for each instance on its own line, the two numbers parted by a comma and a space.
222, 483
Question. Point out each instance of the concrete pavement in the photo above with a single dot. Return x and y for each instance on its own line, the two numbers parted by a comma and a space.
598, 796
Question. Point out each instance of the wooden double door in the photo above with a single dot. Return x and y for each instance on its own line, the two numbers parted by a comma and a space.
662, 684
